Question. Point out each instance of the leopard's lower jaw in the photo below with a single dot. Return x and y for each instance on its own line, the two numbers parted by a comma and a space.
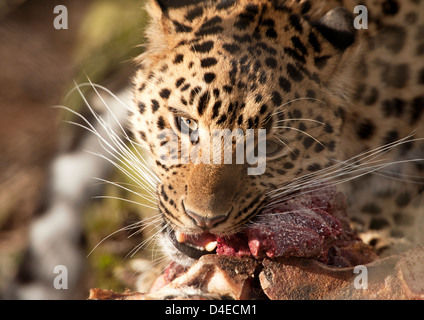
172, 252
191, 251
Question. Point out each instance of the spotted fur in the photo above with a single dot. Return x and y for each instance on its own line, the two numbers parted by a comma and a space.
325, 92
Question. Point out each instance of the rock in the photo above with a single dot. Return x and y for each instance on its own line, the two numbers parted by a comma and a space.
396, 277
411, 273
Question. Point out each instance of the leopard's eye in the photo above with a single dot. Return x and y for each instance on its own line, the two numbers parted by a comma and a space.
273, 148
186, 124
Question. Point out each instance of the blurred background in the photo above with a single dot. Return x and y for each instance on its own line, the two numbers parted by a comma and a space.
39, 66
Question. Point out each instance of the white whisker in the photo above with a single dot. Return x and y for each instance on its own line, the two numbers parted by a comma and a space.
298, 99
122, 153
126, 200
285, 144
301, 119
344, 171
301, 131
144, 243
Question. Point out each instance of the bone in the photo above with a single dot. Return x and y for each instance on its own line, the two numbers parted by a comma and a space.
218, 277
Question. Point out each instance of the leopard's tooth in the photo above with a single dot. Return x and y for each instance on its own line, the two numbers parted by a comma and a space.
211, 246
180, 236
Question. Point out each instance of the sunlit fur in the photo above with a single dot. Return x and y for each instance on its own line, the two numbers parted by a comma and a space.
316, 122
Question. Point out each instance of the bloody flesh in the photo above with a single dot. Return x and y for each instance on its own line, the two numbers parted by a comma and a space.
304, 226
313, 224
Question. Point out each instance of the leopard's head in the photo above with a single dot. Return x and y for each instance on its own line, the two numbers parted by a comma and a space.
234, 67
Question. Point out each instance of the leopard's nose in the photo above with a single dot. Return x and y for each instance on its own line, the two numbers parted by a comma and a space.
205, 222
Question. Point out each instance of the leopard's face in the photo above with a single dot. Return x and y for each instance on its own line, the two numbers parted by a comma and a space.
238, 66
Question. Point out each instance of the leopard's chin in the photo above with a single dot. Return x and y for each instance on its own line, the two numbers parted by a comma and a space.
174, 253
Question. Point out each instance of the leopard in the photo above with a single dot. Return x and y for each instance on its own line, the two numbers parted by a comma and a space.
339, 92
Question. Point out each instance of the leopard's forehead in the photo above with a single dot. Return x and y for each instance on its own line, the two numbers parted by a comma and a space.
232, 66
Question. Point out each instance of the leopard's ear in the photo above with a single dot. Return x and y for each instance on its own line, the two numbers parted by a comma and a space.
167, 19
339, 53
166, 5
166, 24
157, 11
161, 28
337, 27
161, 9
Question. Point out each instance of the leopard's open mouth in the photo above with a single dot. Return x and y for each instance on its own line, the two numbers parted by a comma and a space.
306, 225
194, 246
